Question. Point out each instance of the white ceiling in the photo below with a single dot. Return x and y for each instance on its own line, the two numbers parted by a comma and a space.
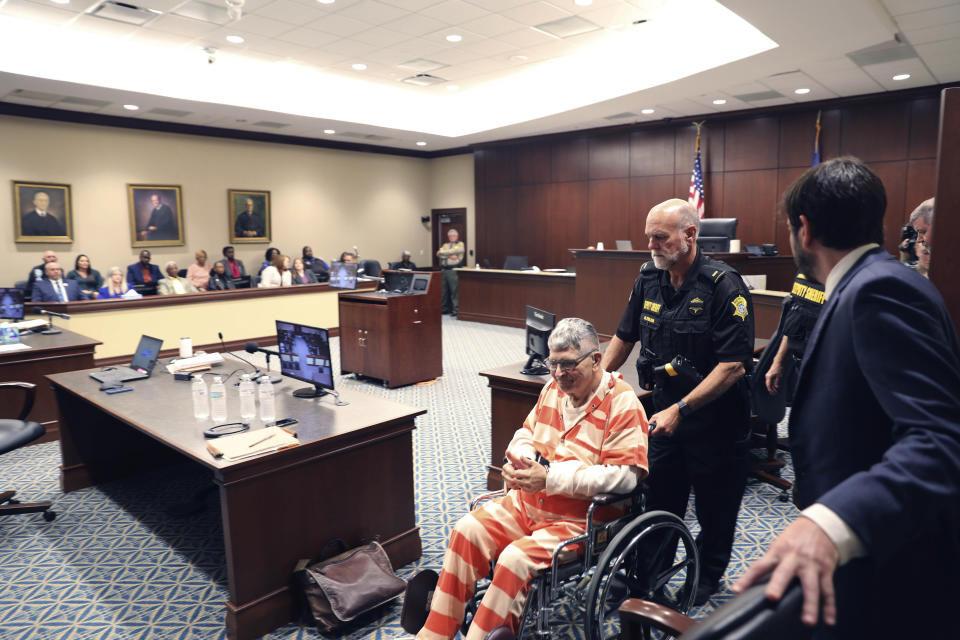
293, 73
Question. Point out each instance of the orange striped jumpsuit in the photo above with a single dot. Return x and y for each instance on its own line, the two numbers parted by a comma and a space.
598, 447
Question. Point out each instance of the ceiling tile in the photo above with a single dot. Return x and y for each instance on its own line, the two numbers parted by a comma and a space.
535, 13
108, 28
38, 12
350, 48
526, 37
159, 38
415, 24
380, 37
275, 47
454, 12
941, 58
491, 25
899, 7
490, 47
930, 18
261, 26
181, 26
308, 37
848, 83
614, 14
339, 25
159, 5
412, 5
373, 12
289, 12
934, 34
787, 83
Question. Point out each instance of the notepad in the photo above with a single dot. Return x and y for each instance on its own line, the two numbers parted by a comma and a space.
251, 443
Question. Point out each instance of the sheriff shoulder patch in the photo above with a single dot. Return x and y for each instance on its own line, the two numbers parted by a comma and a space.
740, 307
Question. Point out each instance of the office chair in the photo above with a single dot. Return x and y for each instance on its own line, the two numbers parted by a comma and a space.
371, 268
182, 273
13, 435
22, 285
749, 616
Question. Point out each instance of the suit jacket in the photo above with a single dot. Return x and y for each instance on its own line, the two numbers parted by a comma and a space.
43, 291
310, 277
33, 224
165, 222
165, 286
243, 270
875, 437
135, 273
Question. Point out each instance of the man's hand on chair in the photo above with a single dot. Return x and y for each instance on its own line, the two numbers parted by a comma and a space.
526, 475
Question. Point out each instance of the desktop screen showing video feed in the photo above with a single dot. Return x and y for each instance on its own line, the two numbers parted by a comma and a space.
11, 303
305, 353
343, 275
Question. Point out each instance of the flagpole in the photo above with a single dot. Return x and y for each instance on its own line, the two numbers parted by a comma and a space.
697, 197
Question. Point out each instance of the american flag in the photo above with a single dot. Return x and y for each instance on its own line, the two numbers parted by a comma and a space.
697, 197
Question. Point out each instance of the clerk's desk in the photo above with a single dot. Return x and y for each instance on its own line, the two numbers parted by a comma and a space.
513, 394
276, 508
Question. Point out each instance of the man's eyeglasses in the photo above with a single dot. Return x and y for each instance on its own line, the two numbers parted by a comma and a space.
568, 365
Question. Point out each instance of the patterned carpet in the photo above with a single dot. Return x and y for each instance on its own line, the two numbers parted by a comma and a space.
117, 564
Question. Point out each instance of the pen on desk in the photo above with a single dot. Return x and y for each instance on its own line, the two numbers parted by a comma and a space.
262, 440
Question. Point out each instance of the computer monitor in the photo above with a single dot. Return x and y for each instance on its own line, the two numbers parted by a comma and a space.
420, 283
718, 228
343, 275
515, 263
539, 326
11, 303
397, 281
305, 355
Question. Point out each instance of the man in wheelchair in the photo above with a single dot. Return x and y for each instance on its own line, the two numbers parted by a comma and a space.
586, 435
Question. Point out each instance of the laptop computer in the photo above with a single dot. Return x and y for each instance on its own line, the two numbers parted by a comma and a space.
624, 245
140, 367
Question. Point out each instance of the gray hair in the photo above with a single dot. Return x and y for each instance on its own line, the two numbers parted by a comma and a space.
167, 266
924, 210
574, 333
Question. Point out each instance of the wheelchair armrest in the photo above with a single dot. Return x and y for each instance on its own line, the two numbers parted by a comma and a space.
30, 391
483, 497
602, 499
635, 613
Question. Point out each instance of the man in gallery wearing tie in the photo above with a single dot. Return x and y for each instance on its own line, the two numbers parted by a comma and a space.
54, 288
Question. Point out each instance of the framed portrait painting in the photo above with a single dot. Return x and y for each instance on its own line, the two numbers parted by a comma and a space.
248, 214
42, 212
156, 215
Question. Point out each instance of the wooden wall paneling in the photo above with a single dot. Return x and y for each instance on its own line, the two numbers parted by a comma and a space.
532, 224
652, 152
533, 163
876, 132
894, 177
711, 148
499, 165
610, 156
607, 221
712, 188
921, 181
785, 178
751, 197
500, 220
751, 143
946, 273
644, 193
797, 134
924, 117
569, 217
570, 159
831, 123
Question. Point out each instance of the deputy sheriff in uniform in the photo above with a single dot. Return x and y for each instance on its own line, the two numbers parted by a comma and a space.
686, 304
800, 313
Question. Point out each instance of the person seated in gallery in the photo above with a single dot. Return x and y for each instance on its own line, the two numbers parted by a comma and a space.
87, 278
37, 272
277, 274
348, 256
115, 285
233, 265
219, 279
404, 263
174, 284
314, 263
586, 435
300, 274
199, 272
53, 288
268, 258
143, 271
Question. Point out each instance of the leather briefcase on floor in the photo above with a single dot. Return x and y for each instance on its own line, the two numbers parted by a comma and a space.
341, 588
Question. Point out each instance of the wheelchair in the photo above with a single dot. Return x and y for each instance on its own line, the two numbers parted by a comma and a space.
616, 563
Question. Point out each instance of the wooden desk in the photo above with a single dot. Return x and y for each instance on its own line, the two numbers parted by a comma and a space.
605, 279
276, 508
501, 297
66, 351
397, 339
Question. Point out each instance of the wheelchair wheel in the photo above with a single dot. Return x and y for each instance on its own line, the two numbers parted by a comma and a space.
628, 569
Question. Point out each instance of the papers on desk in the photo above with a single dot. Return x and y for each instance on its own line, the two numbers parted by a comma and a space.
23, 325
251, 443
16, 346
199, 362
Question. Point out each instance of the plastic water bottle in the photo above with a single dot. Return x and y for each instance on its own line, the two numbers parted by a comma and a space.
218, 400
248, 402
201, 404
268, 409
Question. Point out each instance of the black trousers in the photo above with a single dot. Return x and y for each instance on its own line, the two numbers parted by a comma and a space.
710, 458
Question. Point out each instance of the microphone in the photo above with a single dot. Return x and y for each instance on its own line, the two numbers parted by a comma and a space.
256, 370
253, 347
223, 347
57, 314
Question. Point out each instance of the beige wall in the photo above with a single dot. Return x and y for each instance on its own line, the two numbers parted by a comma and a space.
329, 199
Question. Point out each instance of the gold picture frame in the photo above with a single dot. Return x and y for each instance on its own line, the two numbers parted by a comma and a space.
156, 215
248, 216
54, 200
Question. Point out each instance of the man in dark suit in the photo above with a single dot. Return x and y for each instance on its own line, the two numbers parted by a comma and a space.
39, 221
874, 429
37, 272
162, 224
235, 268
249, 224
143, 272
53, 288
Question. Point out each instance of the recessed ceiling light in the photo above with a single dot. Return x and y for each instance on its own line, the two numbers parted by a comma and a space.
583, 3
453, 87
901, 76
329, 131
454, 37
359, 66
131, 107
61, 1
235, 39
646, 112
719, 101
326, 1
421, 143
801, 91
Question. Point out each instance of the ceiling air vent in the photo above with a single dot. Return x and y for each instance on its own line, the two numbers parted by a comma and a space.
172, 113
369, 137
122, 12
84, 102
270, 125
567, 27
759, 95
424, 80
892, 51
422, 65
217, 14
37, 96
621, 116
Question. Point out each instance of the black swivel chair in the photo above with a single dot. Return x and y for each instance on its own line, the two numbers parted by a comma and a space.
13, 435
371, 268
